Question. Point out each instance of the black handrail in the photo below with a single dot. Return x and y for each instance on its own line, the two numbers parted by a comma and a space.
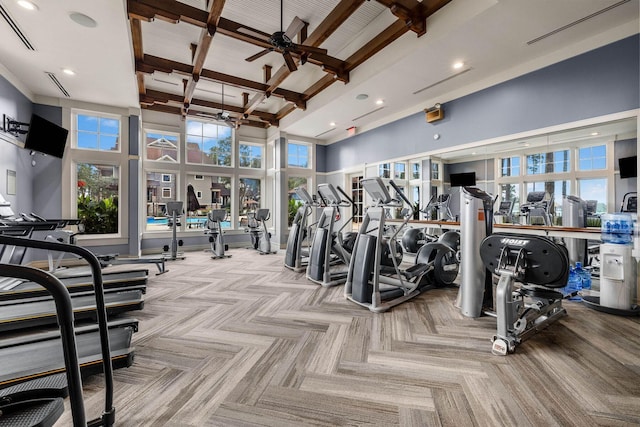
108, 416
399, 192
64, 311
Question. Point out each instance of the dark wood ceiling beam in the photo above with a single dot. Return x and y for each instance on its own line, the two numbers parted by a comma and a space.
196, 113
158, 97
138, 51
264, 116
411, 12
153, 63
170, 11
376, 44
202, 49
329, 24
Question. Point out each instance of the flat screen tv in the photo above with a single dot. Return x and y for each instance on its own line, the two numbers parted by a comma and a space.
628, 167
465, 179
46, 137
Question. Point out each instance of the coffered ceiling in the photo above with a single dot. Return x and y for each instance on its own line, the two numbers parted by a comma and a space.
180, 56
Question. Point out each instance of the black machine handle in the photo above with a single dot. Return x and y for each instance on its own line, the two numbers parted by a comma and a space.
346, 196
108, 416
64, 311
399, 192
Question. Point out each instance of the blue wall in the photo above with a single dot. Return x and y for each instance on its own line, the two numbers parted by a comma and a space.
596, 83
12, 157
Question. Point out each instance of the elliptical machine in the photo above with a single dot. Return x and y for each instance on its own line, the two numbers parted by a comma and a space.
257, 229
375, 279
214, 230
296, 257
330, 248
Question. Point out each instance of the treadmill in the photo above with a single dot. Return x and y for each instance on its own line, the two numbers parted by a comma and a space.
41, 311
76, 279
29, 354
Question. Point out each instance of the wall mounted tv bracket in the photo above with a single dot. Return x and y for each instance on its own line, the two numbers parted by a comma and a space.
14, 127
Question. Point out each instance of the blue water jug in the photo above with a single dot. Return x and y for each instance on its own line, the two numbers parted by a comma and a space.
574, 285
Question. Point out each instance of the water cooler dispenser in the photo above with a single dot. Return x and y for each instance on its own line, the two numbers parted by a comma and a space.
574, 214
476, 222
617, 265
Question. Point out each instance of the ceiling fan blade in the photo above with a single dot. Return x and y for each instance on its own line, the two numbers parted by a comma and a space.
258, 55
288, 59
294, 28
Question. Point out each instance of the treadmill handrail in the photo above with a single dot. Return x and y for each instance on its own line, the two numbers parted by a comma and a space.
64, 311
108, 416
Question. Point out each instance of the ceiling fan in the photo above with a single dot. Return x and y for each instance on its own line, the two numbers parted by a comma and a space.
224, 116
281, 41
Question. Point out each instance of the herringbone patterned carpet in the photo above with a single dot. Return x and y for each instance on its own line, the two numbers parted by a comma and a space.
245, 342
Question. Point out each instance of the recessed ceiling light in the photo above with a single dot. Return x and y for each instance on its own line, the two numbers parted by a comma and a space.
362, 97
595, 133
332, 124
82, 19
458, 65
69, 71
27, 5
379, 102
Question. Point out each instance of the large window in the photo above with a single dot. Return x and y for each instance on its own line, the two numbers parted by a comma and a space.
580, 171
298, 155
97, 197
209, 143
97, 172
249, 200
97, 132
294, 201
161, 188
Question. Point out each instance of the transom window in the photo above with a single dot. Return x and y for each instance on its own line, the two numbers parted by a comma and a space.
161, 147
298, 155
592, 158
510, 166
250, 155
97, 132
553, 162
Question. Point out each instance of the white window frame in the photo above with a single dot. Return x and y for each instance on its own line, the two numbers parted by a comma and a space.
310, 159
75, 155
262, 158
166, 189
102, 115
573, 175
166, 133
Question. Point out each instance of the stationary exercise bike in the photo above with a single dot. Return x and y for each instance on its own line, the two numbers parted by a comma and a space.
257, 229
174, 211
540, 266
214, 230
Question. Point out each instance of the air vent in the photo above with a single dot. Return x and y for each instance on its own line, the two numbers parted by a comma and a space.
442, 81
56, 82
166, 82
226, 95
366, 114
325, 132
15, 28
579, 21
